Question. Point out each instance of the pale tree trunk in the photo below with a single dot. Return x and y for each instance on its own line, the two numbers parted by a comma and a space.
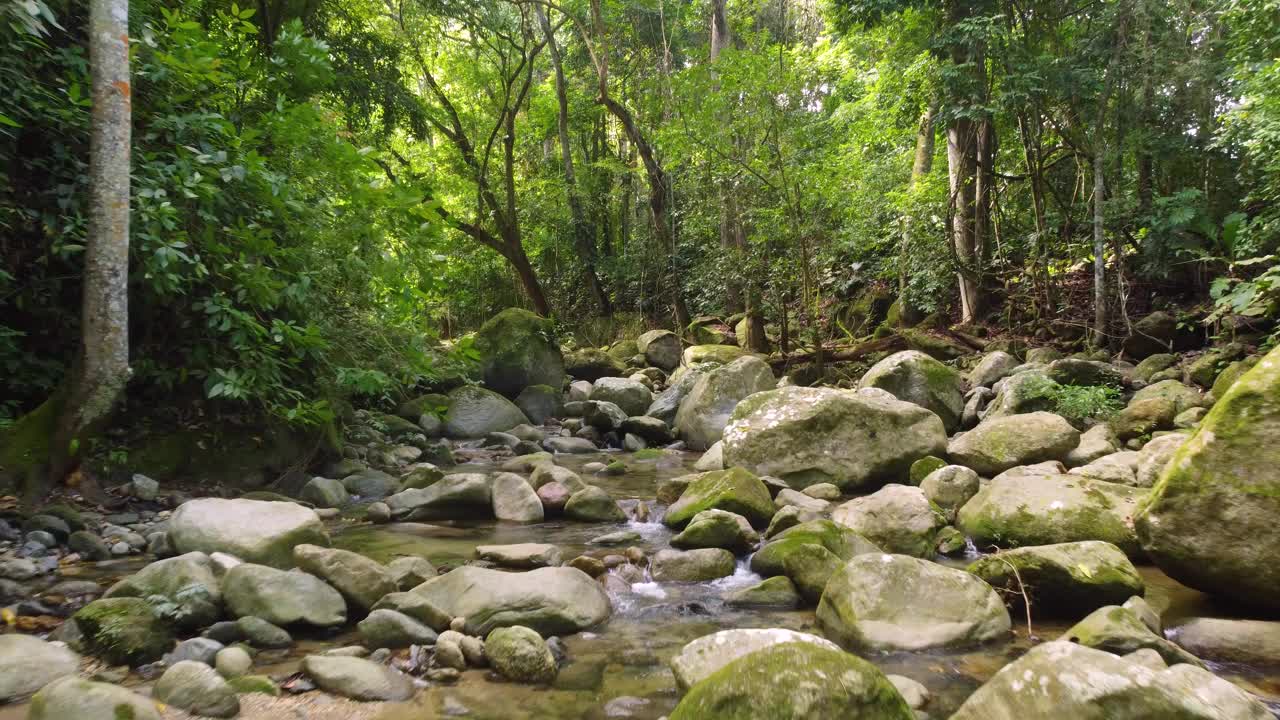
583, 234
1099, 244
101, 368
921, 166
962, 171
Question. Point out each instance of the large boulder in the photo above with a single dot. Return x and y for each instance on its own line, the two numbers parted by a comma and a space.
186, 581
666, 404
1121, 630
794, 681
552, 600
361, 581
475, 412
518, 349
700, 659
705, 411
691, 565
711, 353
1046, 508
851, 439
1080, 372
1151, 334
74, 697
896, 602
1078, 683
1226, 640
661, 348
1007, 442
1210, 521
993, 367
540, 403
28, 663
917, 378
898, 518
520, 654
282, 597
1063, 579
1023, 392
255, 531
1155, 456
734, 490
630, 395
515, 500
837, 539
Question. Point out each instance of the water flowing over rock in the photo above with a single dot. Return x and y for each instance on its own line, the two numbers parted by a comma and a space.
896, 602
1046, 508
818, 435
705, 411
550, 600
253, 530
1210, 521
1071, 682
794, 681
914, 377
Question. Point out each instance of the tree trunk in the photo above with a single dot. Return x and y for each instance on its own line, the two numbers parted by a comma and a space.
528, 278
101, 368
583, 234
962, 170
920, 166
1099, 245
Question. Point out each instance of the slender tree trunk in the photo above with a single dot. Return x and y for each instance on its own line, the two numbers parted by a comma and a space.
1099, 244
921, 166
583, 234
962, 167
528, 278
101, 368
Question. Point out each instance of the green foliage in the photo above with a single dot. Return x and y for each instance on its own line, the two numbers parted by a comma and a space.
1081, 403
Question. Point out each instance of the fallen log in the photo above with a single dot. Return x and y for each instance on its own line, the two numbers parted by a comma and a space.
841, 353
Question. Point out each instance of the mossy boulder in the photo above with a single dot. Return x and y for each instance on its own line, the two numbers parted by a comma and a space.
1154, 364
1182, 396
518, 349
1210, 521
187, 582
281, 597
734, 490
591, 364
1062, 579
1023, 392
1151, 335
841, 541
896, 602
993, 367
706, 410
1229, 375
897, 518
777, 592
1073, 682
695, 565
475, 412
661, 348
361, 581
552, 601
631, 395
1046, 508
123, 631
520, 654
80, 699
717, 529
921, 468
711, 353
540, 403
1121, 631
702, 658
1007, 442
917, 378
794, 681
851, 439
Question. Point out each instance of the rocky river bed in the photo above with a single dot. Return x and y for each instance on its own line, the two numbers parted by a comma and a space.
713, 544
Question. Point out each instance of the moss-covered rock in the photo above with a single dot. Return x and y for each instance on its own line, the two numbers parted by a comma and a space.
1154, 364
475, 412
661, 348
1210, 521
187, 582
821, 435
711, 353
540, 403
703, 657
897, 518
591, 364
917, 378
843, 542
717, 529
1066, 578
896, 602
520, 654
1044, 509
86, 700
1006, 442
1121, 631
123, 631
1181, 396
1078, 683
921, 468
706, 410
778, 592
794, 681
518, 349
735, 490
1229, 375
247, 684
1151, 334
1023, 392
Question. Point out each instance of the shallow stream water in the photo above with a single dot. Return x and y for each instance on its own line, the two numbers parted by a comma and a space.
620, 668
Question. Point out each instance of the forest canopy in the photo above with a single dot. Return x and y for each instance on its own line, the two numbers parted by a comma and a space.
322, 192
